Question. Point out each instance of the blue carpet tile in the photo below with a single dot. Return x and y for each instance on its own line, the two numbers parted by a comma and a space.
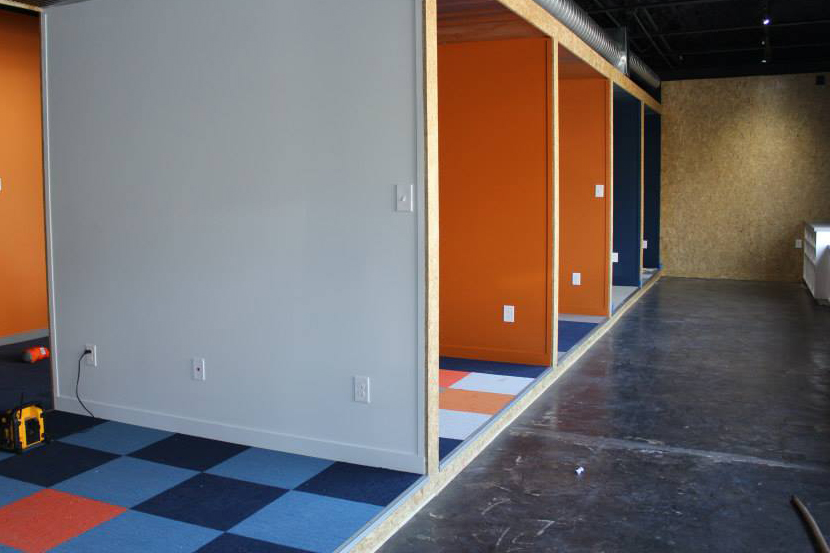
359, 483
295, 520
231, 543
570, 333
187, 494
491, 367
188, 452
59, 424
52, 463
211, 494
447, 446
133, 532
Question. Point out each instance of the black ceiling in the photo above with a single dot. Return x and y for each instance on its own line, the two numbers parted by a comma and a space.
687, 39
683, 39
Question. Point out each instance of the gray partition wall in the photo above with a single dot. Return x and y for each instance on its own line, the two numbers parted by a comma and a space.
221, 187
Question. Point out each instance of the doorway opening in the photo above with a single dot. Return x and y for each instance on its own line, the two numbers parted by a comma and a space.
585, 201
496, 210
24, 311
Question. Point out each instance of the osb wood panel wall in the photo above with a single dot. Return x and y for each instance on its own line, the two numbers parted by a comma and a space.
745, 162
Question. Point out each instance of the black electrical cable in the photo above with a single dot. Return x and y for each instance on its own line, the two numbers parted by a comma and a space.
815, 532
78, 382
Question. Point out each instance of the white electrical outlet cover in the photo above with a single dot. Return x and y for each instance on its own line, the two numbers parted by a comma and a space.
615, 257
798, 244
362, 390
576, 279
645, 244
599, 190
509, 314
91, 359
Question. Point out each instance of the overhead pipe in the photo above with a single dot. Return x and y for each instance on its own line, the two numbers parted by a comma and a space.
583, 26
639, 68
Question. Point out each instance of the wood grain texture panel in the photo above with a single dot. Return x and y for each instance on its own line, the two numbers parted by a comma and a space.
20, 5
477, 20
430, 71
745, 162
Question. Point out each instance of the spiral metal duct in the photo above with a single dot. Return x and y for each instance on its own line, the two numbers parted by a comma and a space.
638, 67
575, 19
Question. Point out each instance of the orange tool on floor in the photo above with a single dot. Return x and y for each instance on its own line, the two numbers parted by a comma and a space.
33, 355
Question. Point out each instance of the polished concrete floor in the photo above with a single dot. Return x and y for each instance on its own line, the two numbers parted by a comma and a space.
695, 418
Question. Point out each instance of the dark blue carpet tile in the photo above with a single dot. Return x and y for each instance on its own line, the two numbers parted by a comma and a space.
358, 483
231, 543
51, 463
491, 367
59, 424
447, 446
211, 501
33, 380
188, 452
570, 333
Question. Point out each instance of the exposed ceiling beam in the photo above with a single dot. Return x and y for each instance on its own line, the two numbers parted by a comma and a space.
663, 4
613, 19
663, 40
651, 39
755, 48
741, 28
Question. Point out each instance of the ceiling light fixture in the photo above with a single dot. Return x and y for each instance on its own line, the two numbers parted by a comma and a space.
766, 21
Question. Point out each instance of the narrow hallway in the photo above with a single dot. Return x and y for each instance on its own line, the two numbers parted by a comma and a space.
695, 419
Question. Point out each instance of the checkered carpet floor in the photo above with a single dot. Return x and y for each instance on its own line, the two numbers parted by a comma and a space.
112, 487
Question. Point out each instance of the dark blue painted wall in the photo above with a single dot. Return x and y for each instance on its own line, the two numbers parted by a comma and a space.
627, 128
651, 191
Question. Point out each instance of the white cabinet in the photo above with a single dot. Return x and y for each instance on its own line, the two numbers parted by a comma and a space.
817, 259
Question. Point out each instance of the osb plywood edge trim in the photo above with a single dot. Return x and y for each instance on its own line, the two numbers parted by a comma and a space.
430, 76
20, 5
398, 515
534, 14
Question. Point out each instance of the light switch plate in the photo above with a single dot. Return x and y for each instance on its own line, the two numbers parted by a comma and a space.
198, 368
599, 190
576, 279
798, 244
615, 257
509, 314
645, 244
403, 197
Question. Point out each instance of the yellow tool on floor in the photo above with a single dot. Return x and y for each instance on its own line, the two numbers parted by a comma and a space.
22, 427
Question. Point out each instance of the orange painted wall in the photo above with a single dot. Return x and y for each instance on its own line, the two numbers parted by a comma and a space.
583, 218
23, 303
495, 157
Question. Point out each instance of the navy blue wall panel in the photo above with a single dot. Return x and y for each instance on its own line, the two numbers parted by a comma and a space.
651, 191
627, 129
